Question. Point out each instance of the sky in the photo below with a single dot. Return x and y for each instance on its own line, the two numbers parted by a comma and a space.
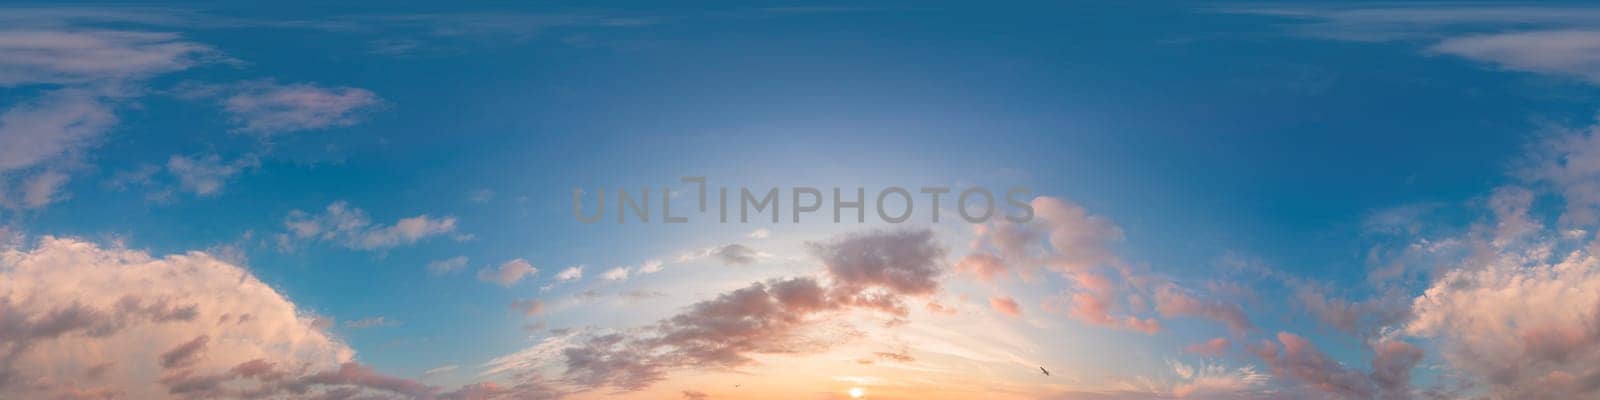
1191, 201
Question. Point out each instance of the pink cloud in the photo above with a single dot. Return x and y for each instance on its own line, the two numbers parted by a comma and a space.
1005, 305
1215, 347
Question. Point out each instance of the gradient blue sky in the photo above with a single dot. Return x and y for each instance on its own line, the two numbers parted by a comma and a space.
1285, 161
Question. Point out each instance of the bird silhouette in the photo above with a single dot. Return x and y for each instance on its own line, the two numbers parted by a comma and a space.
1046, 372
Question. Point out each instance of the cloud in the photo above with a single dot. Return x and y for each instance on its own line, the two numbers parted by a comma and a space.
719, 333
615, 274
509, 273
1567, 161
205, 175
1572, 53
184, 354
1298, 359
1214, 381
70, 306
528, 307
695, 395
448, 265
732, 254
480, 196
78, 319
1066, 239
650, 267
570, 274
1523, 326
1005, 305
43, 189
762, 233
899, 356
350, 227
83, 57
51, 126
1363, 318
905, 262
1556, 40
985, 266
443, 369
269, 108
1215, 347
1172, 301
87, 71
867, 271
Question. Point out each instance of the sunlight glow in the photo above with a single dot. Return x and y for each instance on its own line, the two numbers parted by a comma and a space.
856, 393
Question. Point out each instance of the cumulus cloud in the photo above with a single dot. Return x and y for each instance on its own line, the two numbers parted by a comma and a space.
570, 274
1525, 327
70, 307
508, 273
1005, 305
650, 267
350, 227
615, 274
78, 320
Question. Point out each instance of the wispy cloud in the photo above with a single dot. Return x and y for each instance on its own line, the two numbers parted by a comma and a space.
350, 227
1552, 39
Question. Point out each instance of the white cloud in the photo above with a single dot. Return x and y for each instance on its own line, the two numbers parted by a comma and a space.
509, 273
650, 267
615, 274
762, 233
571, 273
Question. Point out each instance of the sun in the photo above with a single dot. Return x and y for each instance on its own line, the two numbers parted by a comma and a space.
856, 393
